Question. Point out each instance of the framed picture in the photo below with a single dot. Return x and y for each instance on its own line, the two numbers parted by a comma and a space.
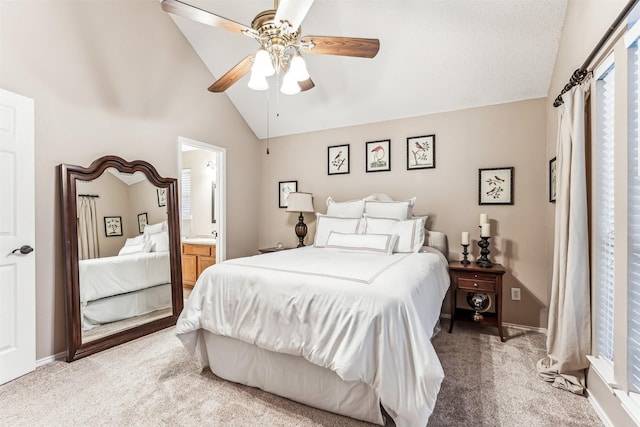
421, 152
338, 159
142, 222
284, 188
379, 156
495, 186
162, 196
552, 180
112, 226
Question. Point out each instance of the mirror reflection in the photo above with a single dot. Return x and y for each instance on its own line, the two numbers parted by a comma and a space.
124, 268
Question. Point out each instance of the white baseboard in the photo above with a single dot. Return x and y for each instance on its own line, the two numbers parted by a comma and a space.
510, 325
49, 359
599, 411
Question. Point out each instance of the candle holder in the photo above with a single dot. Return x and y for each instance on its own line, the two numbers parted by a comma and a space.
483, 261
465, 253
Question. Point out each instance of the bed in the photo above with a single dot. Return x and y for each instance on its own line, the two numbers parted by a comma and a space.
344, 325
136, 282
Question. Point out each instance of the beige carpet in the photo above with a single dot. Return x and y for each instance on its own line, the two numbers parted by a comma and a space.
153, 382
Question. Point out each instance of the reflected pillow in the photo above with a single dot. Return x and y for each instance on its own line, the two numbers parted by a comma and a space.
410, 231
350, 209
138, 240
160, 241
155, 228
326, 224
136, 249
365, 243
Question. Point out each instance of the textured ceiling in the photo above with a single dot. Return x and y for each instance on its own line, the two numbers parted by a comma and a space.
434, 56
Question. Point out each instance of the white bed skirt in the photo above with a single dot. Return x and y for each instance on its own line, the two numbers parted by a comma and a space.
288, 376
125, 306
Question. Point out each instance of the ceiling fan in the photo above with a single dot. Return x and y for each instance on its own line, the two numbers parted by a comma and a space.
277, 31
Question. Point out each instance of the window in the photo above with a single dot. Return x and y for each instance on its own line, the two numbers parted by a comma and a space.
186, 193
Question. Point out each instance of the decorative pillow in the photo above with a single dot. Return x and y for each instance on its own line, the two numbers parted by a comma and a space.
136, 249
138, 240
410, 231
155, 228
350, 209
326, 224
366, 243
395, 210
160, 241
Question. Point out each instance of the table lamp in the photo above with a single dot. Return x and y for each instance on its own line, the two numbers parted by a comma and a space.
300, 202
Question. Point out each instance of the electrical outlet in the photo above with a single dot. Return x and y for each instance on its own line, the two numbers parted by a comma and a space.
515, 294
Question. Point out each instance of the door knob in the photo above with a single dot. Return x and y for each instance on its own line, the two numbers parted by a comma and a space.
26, 249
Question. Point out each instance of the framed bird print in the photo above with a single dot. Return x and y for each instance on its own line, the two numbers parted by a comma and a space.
338, 159
495, 186
284, 188
378, 156
421, 152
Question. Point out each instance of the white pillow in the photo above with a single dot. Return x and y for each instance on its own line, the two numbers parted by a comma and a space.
138, 240
135, 249
350, 209
326, 224
410, 231
395, 210
366, 243
155, 228
160, 241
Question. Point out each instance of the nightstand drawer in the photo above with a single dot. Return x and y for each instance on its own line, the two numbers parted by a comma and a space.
476, 285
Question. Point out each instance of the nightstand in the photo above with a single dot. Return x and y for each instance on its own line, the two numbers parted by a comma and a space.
274, 249
473, 278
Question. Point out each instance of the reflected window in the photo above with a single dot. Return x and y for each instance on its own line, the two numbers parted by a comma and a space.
186, 193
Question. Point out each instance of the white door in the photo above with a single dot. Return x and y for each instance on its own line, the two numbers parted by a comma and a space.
17, 230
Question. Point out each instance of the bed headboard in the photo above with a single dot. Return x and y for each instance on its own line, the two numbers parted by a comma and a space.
437, 240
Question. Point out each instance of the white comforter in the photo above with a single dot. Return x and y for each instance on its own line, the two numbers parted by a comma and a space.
105, 277
367, 317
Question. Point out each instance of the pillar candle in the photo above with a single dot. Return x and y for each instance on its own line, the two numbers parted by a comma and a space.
484, 218
486, 230
465, 237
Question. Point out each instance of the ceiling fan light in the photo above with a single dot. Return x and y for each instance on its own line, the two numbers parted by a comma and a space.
298, 69
258, 82
263, 64
289, 85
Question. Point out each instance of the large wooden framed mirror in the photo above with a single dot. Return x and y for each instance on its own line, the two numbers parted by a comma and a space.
121, 242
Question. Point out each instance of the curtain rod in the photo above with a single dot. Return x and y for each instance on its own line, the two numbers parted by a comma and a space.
578, 75
88, 195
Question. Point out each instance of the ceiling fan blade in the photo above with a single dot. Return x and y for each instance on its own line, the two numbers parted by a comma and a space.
292, 11
200, 15
306, 85
233, 75
344, 46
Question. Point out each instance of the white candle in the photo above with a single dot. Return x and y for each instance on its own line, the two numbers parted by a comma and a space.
484, 219
486, 230
465, 237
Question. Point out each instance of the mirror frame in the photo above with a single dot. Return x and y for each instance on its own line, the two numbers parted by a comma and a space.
69, 174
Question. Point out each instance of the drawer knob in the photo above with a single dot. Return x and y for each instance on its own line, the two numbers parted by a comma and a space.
475, 275
475, 285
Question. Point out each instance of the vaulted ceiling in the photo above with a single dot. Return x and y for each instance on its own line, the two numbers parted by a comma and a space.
435, 56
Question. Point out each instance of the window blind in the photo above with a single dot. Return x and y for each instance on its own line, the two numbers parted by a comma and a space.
186, 193
633, 222
604, 212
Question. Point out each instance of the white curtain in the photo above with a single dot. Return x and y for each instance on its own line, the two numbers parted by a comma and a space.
87, 228
569, 326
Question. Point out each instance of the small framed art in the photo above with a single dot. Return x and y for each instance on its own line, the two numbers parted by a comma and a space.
338, 159
284, 188
421, 152
378, 156
162, 196
112, 226
142, 222
552, 180
495, 186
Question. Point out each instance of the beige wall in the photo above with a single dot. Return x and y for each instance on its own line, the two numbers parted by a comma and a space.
114, 77
143, 198
496, 136
585, 23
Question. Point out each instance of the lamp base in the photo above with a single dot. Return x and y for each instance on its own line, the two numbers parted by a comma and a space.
301, 230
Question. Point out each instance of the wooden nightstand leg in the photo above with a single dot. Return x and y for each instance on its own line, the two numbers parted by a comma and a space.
499, 317
453, 309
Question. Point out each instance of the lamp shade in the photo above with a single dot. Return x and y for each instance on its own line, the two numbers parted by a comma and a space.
300, 202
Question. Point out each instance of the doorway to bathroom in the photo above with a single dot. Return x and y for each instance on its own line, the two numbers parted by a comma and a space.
202, 206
